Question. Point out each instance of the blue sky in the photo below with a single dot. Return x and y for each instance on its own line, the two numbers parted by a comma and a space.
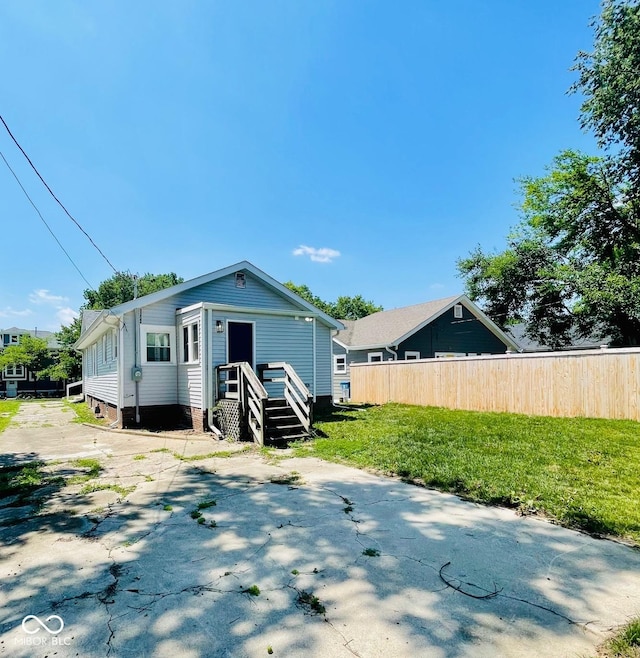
186, 136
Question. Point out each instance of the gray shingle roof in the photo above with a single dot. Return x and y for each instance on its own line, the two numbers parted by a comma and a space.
48, 336
517, 333
88, 318
386, 327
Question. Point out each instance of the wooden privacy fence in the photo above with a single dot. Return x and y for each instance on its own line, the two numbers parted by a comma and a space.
595, 383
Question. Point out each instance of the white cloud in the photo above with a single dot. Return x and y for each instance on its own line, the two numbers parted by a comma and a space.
9, 312
322, 255
66, 315
43, 296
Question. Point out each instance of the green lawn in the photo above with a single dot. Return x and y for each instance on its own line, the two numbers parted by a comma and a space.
584, 473
7, 409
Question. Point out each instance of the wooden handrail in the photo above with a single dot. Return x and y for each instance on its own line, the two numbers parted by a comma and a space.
295, 391
251, 394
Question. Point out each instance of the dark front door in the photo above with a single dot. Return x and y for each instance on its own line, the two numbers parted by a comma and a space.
240, 342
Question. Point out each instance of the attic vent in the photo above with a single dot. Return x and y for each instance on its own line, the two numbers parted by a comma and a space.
457, 311
241, 281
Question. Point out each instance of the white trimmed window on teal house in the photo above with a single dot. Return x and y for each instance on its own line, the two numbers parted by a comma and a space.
411, 355
190, 343
14, 372
375, 357
114, 344
158, 344
339, 364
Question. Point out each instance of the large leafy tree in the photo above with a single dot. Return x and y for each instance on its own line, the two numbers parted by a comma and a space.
344, 308
121, 288
573, 263
609, 80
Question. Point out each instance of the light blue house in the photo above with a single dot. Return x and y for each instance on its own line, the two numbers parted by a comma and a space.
232, 343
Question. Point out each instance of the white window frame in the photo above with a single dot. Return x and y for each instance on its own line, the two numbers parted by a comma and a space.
146, 329
411, 355
93, 353
14, 339
449, 355
371, 359
103, 349
12, 372
457, 311
114, 344
337, 368
192, 346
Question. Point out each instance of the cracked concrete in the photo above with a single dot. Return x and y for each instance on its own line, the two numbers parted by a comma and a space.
396, 570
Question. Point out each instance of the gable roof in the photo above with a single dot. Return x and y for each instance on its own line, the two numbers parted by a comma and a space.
390, 328
95, 318
526, 344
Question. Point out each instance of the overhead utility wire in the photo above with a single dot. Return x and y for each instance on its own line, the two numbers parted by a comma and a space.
43, 220
71, 217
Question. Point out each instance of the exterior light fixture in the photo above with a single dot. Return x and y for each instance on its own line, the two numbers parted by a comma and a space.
219, 327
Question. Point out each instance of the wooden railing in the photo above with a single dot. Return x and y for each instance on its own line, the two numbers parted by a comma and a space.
241, 383
294, 390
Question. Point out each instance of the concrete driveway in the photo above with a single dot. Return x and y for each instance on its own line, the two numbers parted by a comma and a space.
297, 557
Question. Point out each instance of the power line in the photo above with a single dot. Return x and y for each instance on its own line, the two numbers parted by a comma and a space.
55, 197
44, 221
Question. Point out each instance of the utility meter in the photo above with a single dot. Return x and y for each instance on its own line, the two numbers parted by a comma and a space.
136, 373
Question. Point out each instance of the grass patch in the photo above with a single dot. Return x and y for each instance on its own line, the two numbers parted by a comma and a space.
222, 454
139, 457
584, 473
93, 470
371, 552
96, 486
8, 409
254, 590
293, 478
84, 413
311, 603
206, 504
168, 508
625, 643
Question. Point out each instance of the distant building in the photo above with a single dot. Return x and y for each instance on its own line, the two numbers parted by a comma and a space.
19, 380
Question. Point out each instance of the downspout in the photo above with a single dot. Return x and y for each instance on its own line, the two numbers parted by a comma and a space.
136, 343
120, 366
314, 358
393, 353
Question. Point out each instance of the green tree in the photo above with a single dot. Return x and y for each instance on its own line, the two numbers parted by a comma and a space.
610, 84
573, 263
344, 308
306, 294
120, 288
67, 365
30, 352
353, 308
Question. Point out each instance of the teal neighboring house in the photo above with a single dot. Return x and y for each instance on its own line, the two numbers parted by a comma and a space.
443, 328
233, 351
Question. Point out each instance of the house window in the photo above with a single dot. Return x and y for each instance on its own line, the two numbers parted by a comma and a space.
114, 344
241, 280
158, 344
104, 349
374, 357
14, 372
94, 360
190, 343
339, 364
411, 355
14, 339
457, 311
